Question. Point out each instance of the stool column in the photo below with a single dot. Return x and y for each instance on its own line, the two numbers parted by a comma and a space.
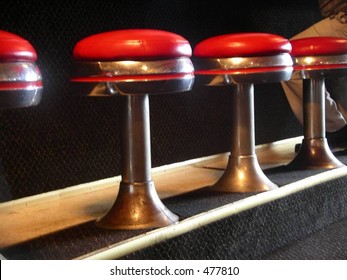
314, 152
135, 139
138, 204
314, 103
243, 173
243, 142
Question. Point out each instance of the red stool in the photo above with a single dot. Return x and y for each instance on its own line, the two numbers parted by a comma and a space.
238, 61
20, 78
133, 64
315, 59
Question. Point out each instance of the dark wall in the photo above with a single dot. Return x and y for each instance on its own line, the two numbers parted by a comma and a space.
68, 140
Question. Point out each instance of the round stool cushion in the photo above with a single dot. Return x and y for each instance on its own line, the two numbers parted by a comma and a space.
132, 44
242, 45
318, 46
15, 48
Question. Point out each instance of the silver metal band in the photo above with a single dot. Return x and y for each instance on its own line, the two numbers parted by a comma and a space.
124, 68
319, 60
19, 72
243, 62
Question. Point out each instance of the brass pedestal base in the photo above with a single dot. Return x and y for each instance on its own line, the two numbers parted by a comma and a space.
137, 207
243, 174
315, 154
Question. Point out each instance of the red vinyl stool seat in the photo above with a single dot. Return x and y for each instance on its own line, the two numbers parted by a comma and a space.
316, 58
20, 78
132, 64
238, 61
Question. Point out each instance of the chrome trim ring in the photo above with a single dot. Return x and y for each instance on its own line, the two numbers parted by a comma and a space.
233, 63
129, 67
19, 72
309, 67
319, 60
20, 84
107, 78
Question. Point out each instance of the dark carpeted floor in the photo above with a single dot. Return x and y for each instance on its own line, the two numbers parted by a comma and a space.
329, 243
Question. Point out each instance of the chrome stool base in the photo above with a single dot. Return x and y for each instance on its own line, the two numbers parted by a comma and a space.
315, 154
137, 207
243, 174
